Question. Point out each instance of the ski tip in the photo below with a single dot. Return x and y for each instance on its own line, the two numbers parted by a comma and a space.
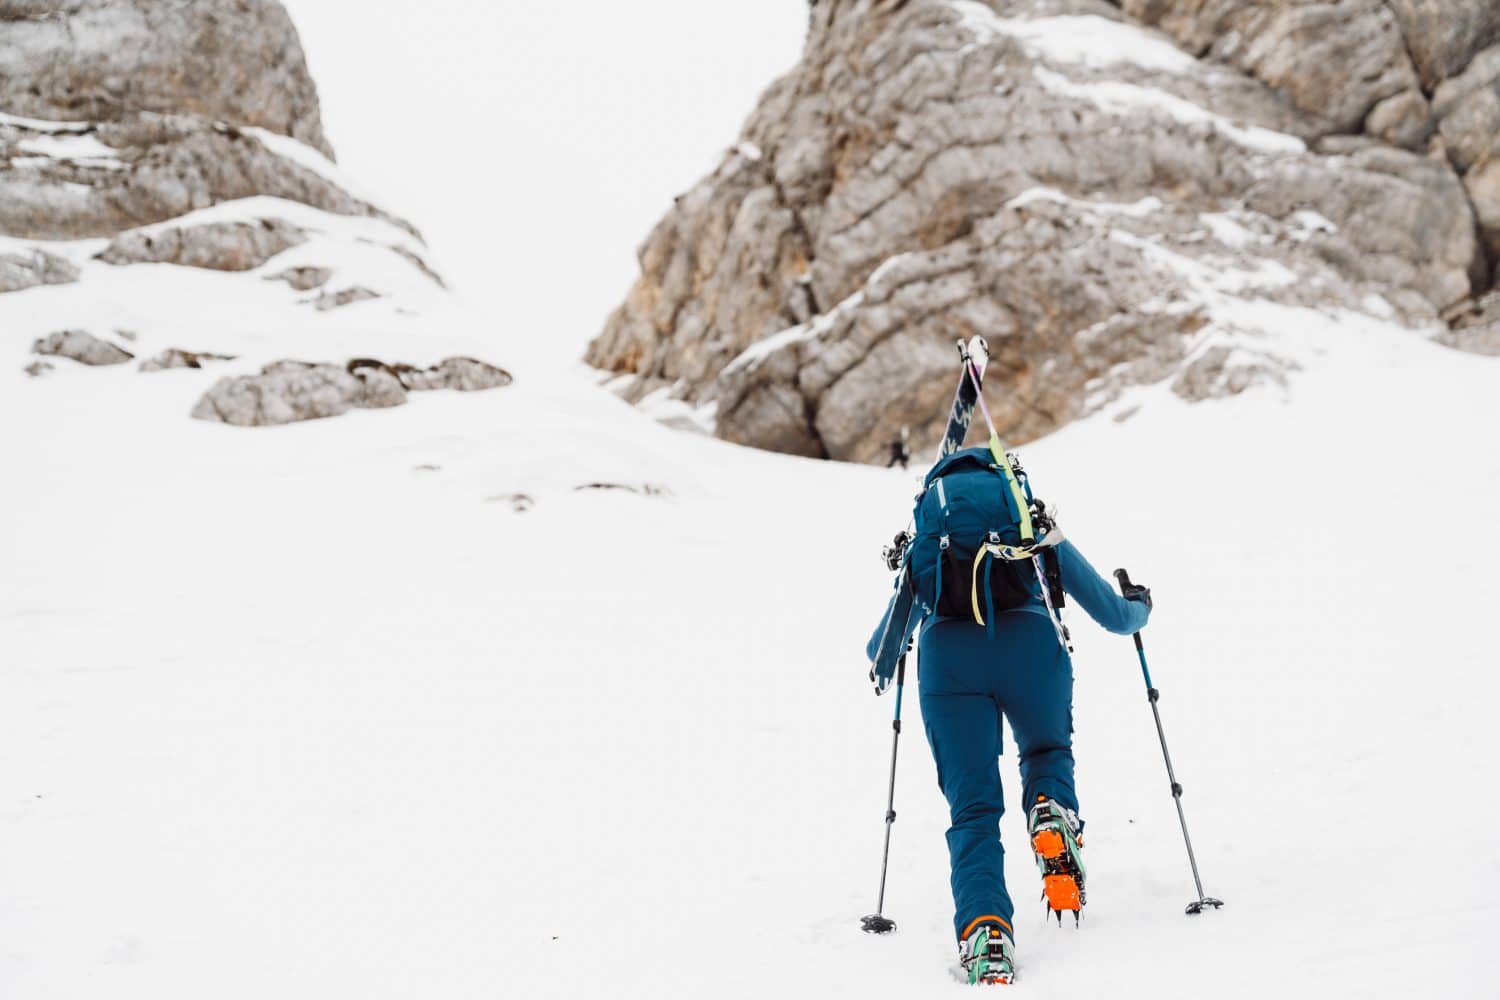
979, 350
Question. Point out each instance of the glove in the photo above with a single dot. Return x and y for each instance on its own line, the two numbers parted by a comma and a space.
893, 552
1136, 592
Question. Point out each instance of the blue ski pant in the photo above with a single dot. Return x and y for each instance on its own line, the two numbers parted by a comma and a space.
968, 682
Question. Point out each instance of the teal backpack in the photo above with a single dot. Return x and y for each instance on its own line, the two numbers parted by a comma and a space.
981, 543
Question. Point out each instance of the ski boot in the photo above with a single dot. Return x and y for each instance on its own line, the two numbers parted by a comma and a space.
988, 956
1056, 842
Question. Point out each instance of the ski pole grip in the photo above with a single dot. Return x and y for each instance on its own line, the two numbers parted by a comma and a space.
1124, 579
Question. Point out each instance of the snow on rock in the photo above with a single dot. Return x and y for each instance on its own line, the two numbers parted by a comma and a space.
1088, 39
1123, 98
1420, 74
81, 346
968, 167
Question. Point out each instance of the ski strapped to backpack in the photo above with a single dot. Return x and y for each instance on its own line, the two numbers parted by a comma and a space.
901, 619
1002, 526
1048, 576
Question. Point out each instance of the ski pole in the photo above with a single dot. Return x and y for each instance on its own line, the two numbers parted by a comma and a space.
876, 923
1153, 695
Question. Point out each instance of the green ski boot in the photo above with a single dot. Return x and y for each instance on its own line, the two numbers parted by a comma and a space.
1056, 842
988, 956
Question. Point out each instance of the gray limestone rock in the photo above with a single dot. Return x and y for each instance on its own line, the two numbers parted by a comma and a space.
1367, 65
237, 61
1333, 59
221, 246
1476, 327
932, 170
468, 375
1442, 36
176, 357
33, 268
303, 279
81, 346
161, 166
345, 296
288, 391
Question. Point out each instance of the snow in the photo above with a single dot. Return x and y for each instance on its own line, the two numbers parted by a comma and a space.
763, 348
529, 132
258, 321
1228, 230
1088, 40
315, 704
314, 711
306, 156
43, 125
1119, 97
70, 147
1136, 209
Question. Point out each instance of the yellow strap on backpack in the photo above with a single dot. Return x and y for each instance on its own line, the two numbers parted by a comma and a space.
997, 449
1012, 553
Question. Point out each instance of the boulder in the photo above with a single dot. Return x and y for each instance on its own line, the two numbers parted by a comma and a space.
81, 346
32, 268
176, 357
288, 391
303, 279
221, 246
343, 297
466, 375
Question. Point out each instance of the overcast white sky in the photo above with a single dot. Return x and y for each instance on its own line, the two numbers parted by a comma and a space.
536, 143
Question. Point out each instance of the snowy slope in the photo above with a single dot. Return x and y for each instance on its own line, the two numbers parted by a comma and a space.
313, 711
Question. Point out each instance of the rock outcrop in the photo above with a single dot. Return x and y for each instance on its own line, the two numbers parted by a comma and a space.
81, 346
221, 246
1423, 74
32, 268
60, 181
289, 391
107, 60
1095, 200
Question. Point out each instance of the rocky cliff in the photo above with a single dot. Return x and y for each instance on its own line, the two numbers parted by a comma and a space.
1113, 196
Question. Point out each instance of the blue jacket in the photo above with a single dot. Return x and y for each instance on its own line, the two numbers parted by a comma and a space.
1081, 582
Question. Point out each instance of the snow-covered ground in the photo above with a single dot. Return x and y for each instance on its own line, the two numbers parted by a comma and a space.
314, 711
397, 705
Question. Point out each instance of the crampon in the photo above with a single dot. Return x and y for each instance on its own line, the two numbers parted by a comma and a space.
988, 957
1057, 844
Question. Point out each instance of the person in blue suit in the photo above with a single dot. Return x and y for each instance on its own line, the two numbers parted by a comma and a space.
970, 678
